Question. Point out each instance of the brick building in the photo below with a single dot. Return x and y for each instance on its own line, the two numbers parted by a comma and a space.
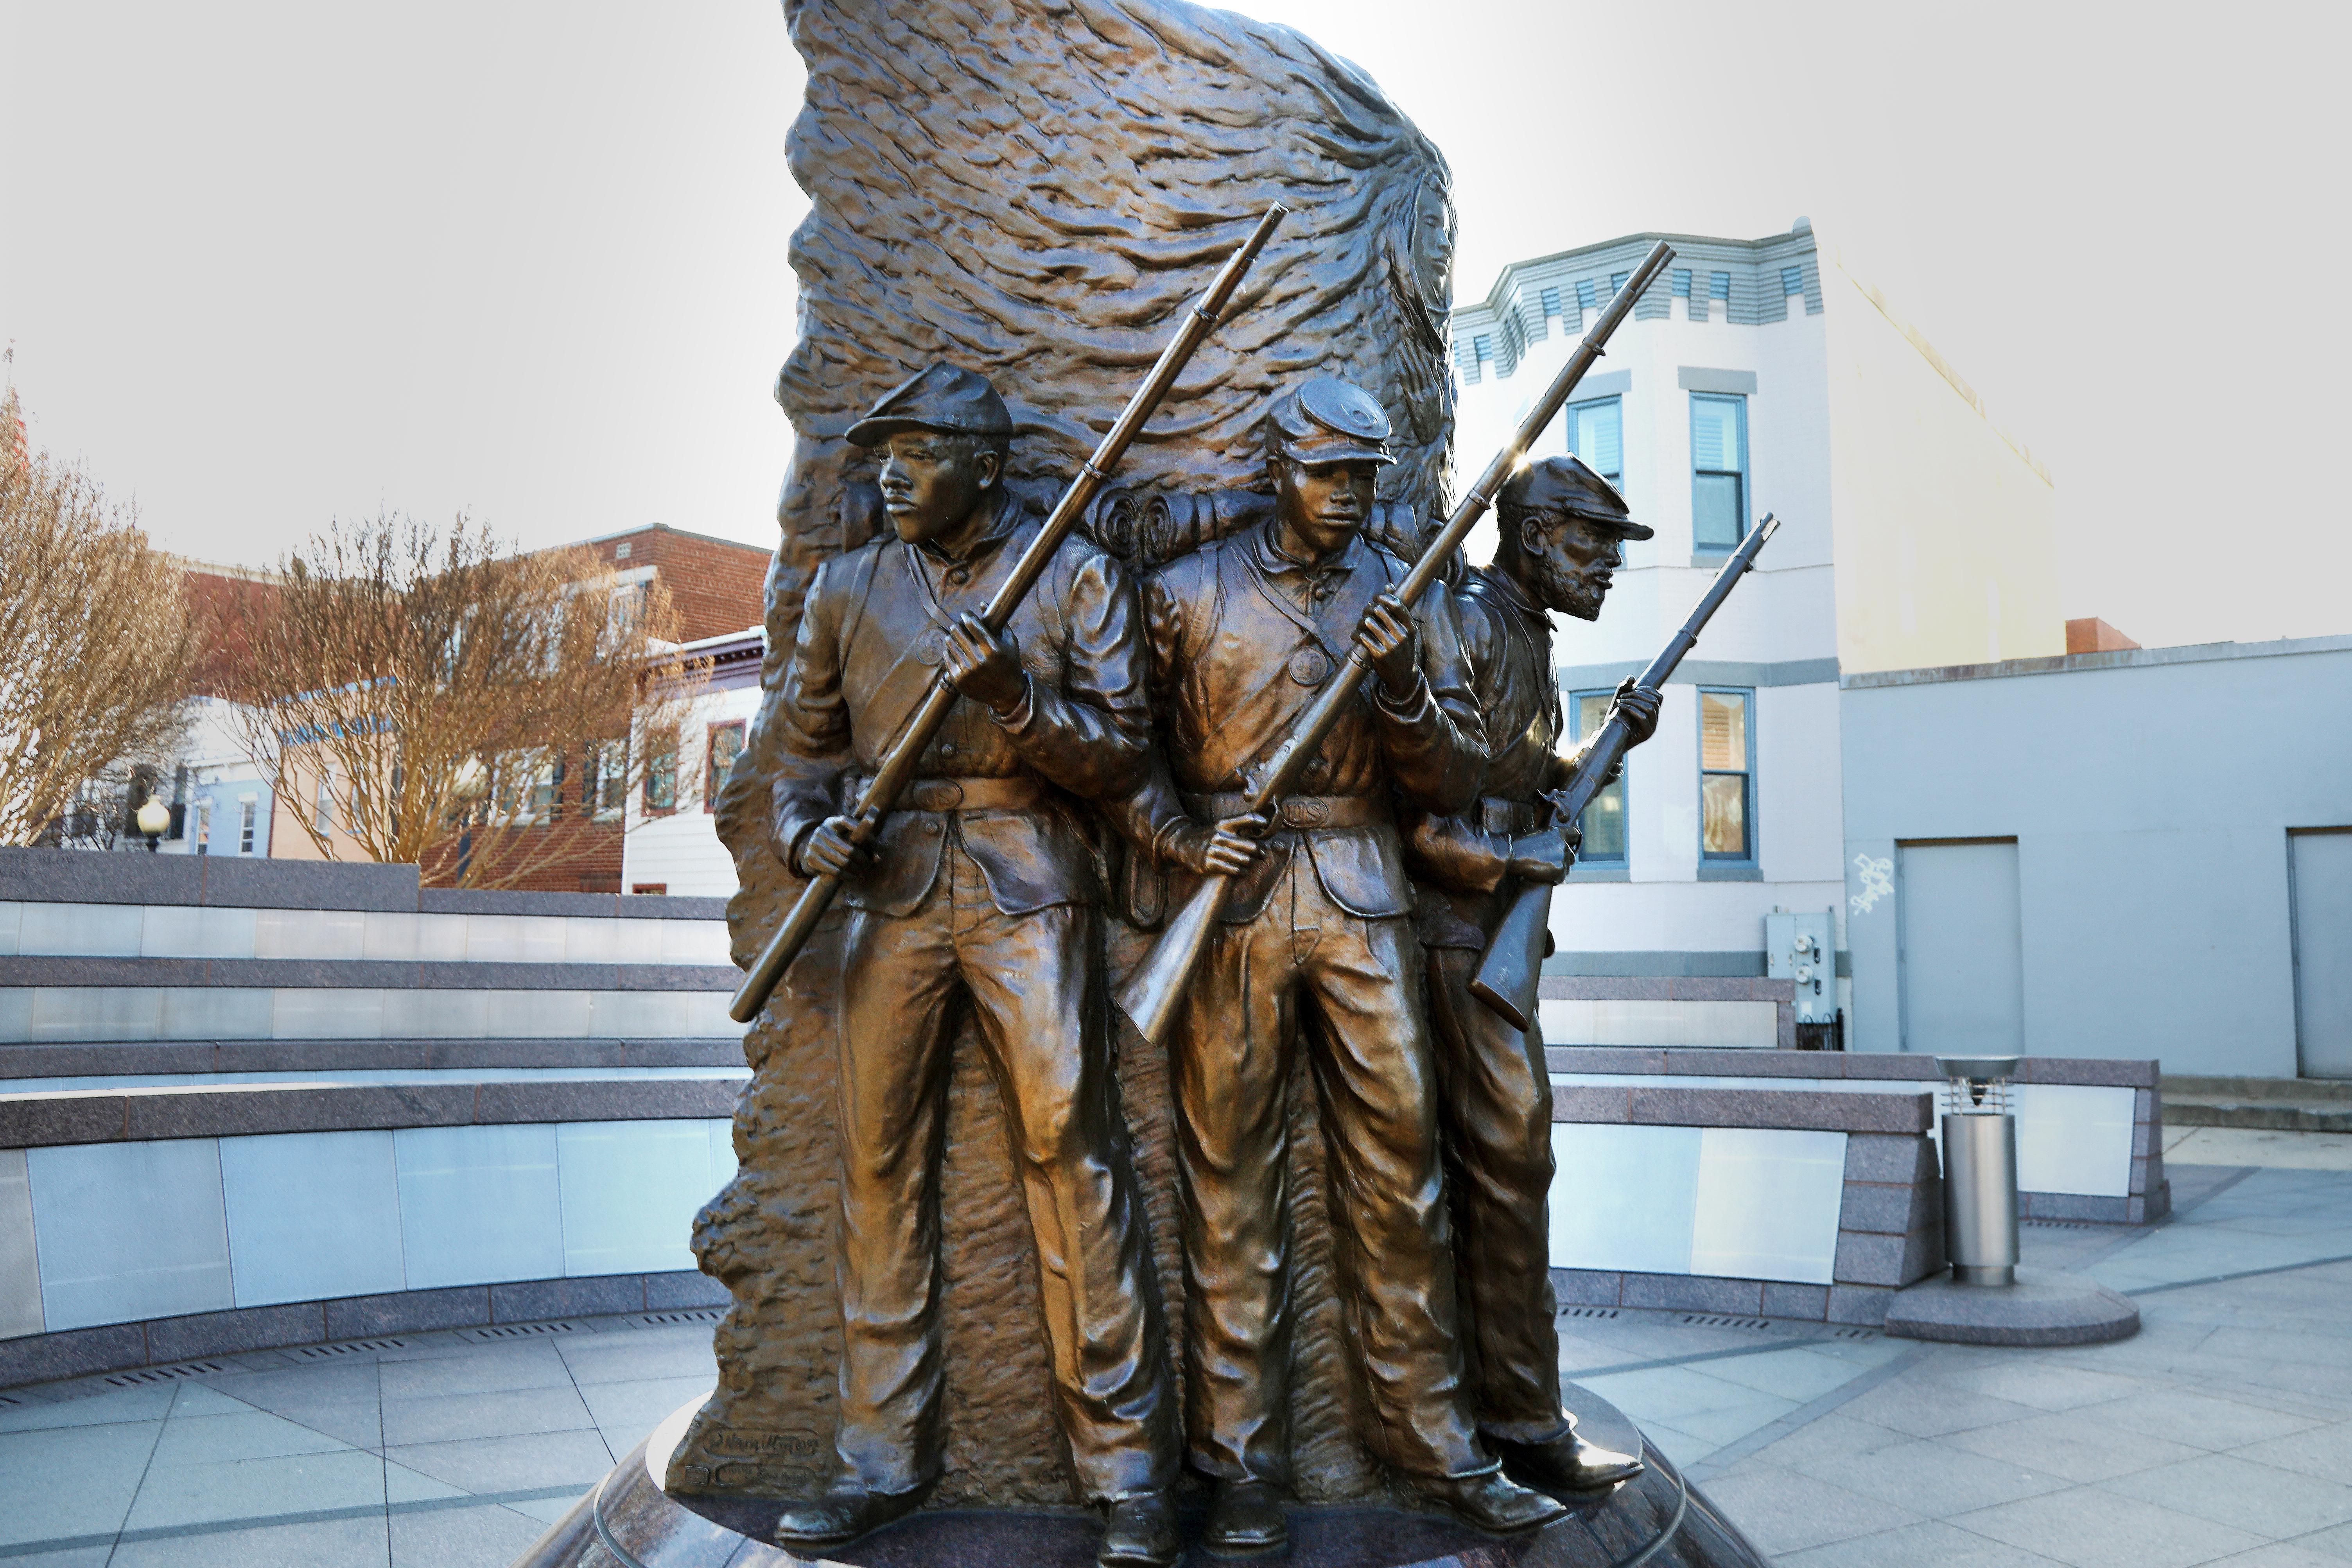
717, 585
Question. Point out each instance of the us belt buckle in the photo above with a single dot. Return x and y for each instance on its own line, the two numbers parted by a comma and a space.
938, 794
1305, 811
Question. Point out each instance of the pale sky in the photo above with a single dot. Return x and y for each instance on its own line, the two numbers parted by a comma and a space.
265, 264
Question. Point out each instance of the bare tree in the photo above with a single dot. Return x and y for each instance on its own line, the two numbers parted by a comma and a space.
449, 703
95, 645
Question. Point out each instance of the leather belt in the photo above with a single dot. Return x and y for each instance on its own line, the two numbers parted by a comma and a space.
964, 795
1299, 810
1496, 816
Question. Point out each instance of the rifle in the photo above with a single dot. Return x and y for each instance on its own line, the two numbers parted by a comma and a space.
898, 764
1508, 972
1153, 992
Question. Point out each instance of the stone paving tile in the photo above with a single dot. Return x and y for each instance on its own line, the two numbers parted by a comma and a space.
2266, 1499
402, 1484
547, 1511
2323, 1451
2335, 1543
484, 1371
95, 1410
2088, 1528
504, 1414
1784, 1512
332, 1543
619, 1359
256, 1488
1930, 1544
247, 1435
2200, 1420
637, 1408
485, 1537
1929, 1477
73, 1557
1835, 1436
2282, 1554
1901, 1409
511, 1464
2074, 1444
1800, 1374
2038, 1384
69, 1481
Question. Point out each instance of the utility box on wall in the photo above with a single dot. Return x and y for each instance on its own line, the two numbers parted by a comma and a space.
1803, 949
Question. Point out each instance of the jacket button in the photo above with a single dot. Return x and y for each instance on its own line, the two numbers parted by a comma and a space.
959, 574
947, 748
931, 826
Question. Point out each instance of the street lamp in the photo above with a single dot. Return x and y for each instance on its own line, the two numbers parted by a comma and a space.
1980, 1169
153, 818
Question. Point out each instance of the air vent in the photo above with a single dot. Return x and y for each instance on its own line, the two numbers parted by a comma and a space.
1588, 1312
517, 1332
1701, 1321
10, 1402
692, 1315
1855, 1334
2067, 1224
152, 1375
351, 1347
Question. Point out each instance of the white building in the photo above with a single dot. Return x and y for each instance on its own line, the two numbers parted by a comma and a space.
1756, 376
671, 842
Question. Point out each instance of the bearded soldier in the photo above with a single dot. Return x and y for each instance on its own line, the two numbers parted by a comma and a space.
979, 888
1242, 634
1561, 526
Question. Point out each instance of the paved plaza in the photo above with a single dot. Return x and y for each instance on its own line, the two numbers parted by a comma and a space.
2221, 1433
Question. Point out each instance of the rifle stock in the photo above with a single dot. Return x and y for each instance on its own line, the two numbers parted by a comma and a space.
1512, 967
1153, 992
898, 768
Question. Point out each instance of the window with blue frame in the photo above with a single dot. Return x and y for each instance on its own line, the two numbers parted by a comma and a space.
1719, 470
1596, 433
1604, 818
1727, 781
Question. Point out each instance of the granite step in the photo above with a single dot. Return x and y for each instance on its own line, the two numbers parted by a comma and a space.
2279, 1104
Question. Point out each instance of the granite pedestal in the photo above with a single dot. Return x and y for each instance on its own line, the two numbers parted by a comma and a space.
1658, 1519
2042, 1308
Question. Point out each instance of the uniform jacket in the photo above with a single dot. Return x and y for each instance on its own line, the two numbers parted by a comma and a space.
1507, 641
870, 638
1242, 637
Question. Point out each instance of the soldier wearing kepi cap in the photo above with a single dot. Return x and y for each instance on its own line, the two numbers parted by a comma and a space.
1243, 633
1561, 526
981, 882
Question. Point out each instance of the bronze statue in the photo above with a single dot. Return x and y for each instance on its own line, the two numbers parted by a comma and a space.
1561, 526
1242, 634
982, 887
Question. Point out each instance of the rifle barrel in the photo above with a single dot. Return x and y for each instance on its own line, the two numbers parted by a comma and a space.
1154, 991
898, 766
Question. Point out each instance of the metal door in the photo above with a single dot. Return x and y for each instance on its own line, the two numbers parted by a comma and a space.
1958, 950
2321, 868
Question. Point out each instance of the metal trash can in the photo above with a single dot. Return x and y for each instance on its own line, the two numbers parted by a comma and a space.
1980, 1169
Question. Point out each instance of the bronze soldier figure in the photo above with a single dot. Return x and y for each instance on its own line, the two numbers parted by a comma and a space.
1561, 527
981, 886
1242, 633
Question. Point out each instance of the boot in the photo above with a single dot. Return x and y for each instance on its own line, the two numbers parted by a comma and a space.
842, 1515
1245, 1520
1139, 1532
1492, 1502
1567, 1463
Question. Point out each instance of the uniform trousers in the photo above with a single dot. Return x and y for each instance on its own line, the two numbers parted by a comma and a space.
1497, 1093
1235, 1047
1034, 985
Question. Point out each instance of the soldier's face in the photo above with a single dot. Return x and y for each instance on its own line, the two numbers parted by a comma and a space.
931, 482
1573, 560
1323, 504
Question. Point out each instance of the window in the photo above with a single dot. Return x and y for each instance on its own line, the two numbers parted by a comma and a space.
649, 889
246, 813
1718, 287
1596, 433
1792, 281
1550, 298
1585, 295
1617, 283
1726, 763
608, 778
1604, 819
322, 816
725, 745
359, 807
1482, 349
1682, 283
546, 788
1719, 470
661, 774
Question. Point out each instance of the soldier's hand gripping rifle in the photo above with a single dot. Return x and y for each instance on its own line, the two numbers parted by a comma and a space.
898, 764
1152, 994
1509, 973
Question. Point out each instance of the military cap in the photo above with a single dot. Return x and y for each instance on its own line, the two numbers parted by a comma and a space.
943, 398
1330, 421
1569, 485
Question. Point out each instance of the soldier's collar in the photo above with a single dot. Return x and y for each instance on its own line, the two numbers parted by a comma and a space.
998, 529
1513, 594
1274, 558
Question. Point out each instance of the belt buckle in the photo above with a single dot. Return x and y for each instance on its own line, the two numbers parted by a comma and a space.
1305, 811
938, 794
